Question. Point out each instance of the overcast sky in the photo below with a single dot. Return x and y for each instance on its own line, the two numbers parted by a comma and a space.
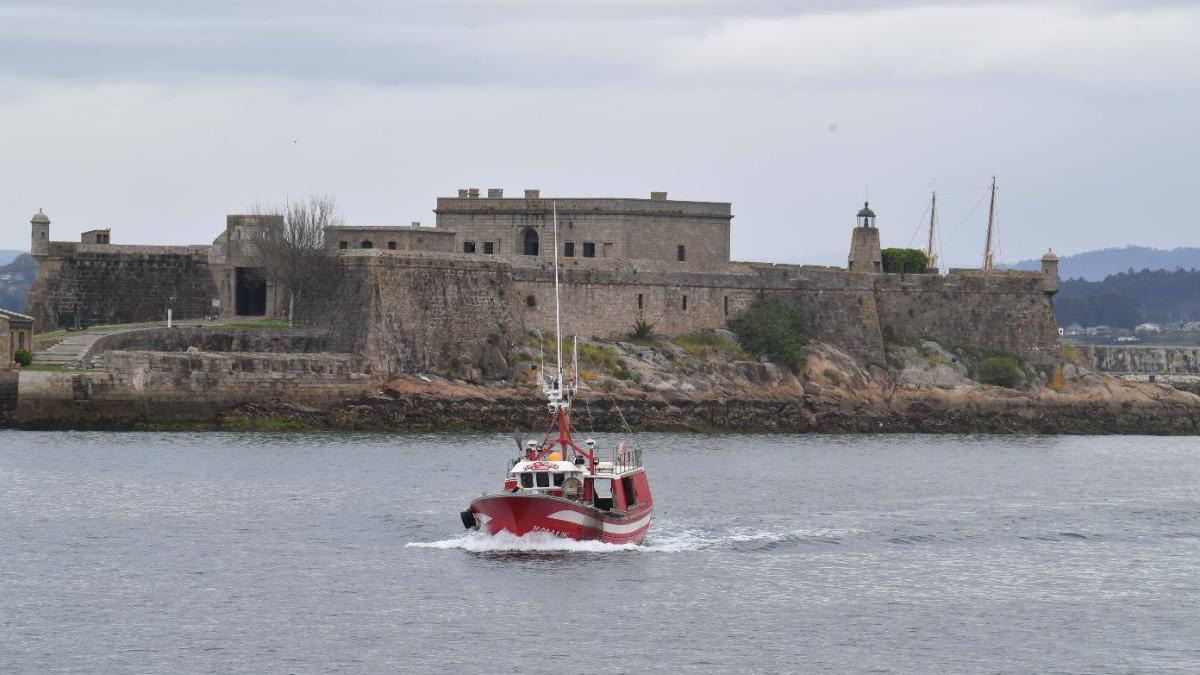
157, 118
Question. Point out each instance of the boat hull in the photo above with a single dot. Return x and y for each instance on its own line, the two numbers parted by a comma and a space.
522, 514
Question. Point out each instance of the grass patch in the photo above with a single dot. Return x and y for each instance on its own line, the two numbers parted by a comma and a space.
267, 323
1071, 354
1001, 371
704, 344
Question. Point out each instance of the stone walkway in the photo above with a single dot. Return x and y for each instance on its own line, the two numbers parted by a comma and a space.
70, 351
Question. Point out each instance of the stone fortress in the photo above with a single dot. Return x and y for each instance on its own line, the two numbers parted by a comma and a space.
418, 294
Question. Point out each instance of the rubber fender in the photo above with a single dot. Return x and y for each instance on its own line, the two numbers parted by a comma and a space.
468, 520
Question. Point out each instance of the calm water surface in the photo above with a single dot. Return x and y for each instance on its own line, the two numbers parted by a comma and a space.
215, 553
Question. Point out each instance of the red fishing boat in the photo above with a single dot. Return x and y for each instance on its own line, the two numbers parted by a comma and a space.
559, 487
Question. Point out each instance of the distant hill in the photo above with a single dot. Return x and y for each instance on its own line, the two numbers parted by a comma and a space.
7, 256
15, 279
1096, 265
1126, 299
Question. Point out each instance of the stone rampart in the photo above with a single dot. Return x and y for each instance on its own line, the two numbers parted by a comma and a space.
91, 284
1143, 359
213, 339
422, 307
171, 386
1004, 312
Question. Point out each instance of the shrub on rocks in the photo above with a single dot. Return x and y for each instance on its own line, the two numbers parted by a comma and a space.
23, 358
773, 329
1001, 371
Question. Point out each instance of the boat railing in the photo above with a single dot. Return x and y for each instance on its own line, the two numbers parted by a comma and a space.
620, 460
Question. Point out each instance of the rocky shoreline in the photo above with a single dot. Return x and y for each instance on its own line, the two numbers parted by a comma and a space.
665, 387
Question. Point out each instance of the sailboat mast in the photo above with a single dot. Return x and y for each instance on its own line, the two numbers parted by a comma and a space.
987, 250
932, 219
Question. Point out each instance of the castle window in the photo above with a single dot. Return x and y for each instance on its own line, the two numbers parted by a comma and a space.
391, 246
530, 301
468, 247
343, 245
685, 303
366, 243
680, 253
569, 249
727, 305
589, 249
530, 240
489, 247
641, 303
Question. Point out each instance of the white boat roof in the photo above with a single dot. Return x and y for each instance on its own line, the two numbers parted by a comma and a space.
545, 465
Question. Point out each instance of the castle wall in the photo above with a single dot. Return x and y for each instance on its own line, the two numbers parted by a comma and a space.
999, 311
618, 228
90, 284
398, 238
164, 387
422, 309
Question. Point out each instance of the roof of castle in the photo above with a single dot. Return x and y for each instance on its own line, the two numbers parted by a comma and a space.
40, 217
1050, 257
866, 211
15, 316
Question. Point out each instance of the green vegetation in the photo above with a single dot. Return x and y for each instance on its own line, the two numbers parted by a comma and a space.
1071, 355
1130, 298
643, 333
267, 323
910, 260
601, 357
705, 344
1002, 371
23, 358
773, 329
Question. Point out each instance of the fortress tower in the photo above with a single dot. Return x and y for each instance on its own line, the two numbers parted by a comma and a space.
865, 255
1050, 273
39, 244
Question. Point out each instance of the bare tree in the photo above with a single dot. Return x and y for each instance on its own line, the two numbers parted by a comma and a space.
294, 254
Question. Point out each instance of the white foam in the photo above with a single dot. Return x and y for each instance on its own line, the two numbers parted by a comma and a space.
479, 542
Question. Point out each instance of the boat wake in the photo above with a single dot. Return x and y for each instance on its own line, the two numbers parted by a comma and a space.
657, 542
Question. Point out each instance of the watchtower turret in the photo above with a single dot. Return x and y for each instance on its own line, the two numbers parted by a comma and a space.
865, 254
1050, 273
39, 244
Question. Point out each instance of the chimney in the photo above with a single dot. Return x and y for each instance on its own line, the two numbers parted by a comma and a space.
658, 196
495, 193
473, 193
462, 193
533, 194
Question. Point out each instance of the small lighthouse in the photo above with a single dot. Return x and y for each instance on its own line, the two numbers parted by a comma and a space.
865, 254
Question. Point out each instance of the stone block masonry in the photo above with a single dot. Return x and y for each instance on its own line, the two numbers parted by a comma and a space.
422, 308
170, 386
81, 285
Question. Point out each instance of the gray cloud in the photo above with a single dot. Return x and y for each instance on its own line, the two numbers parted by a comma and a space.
157, 118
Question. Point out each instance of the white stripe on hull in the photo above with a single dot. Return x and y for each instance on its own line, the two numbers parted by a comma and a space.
585, 520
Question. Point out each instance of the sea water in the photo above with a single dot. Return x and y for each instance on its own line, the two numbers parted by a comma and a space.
319, 553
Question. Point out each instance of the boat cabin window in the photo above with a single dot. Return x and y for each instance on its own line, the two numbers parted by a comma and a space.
543, 479
527, 480
559, 478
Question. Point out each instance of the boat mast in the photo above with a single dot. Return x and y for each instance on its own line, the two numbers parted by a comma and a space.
987, 249
932, 217
558, 374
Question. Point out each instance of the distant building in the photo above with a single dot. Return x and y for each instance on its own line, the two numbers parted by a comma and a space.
16, 334
1148, 328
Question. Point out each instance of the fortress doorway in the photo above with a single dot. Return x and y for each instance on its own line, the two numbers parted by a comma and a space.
531, 241
250, 291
